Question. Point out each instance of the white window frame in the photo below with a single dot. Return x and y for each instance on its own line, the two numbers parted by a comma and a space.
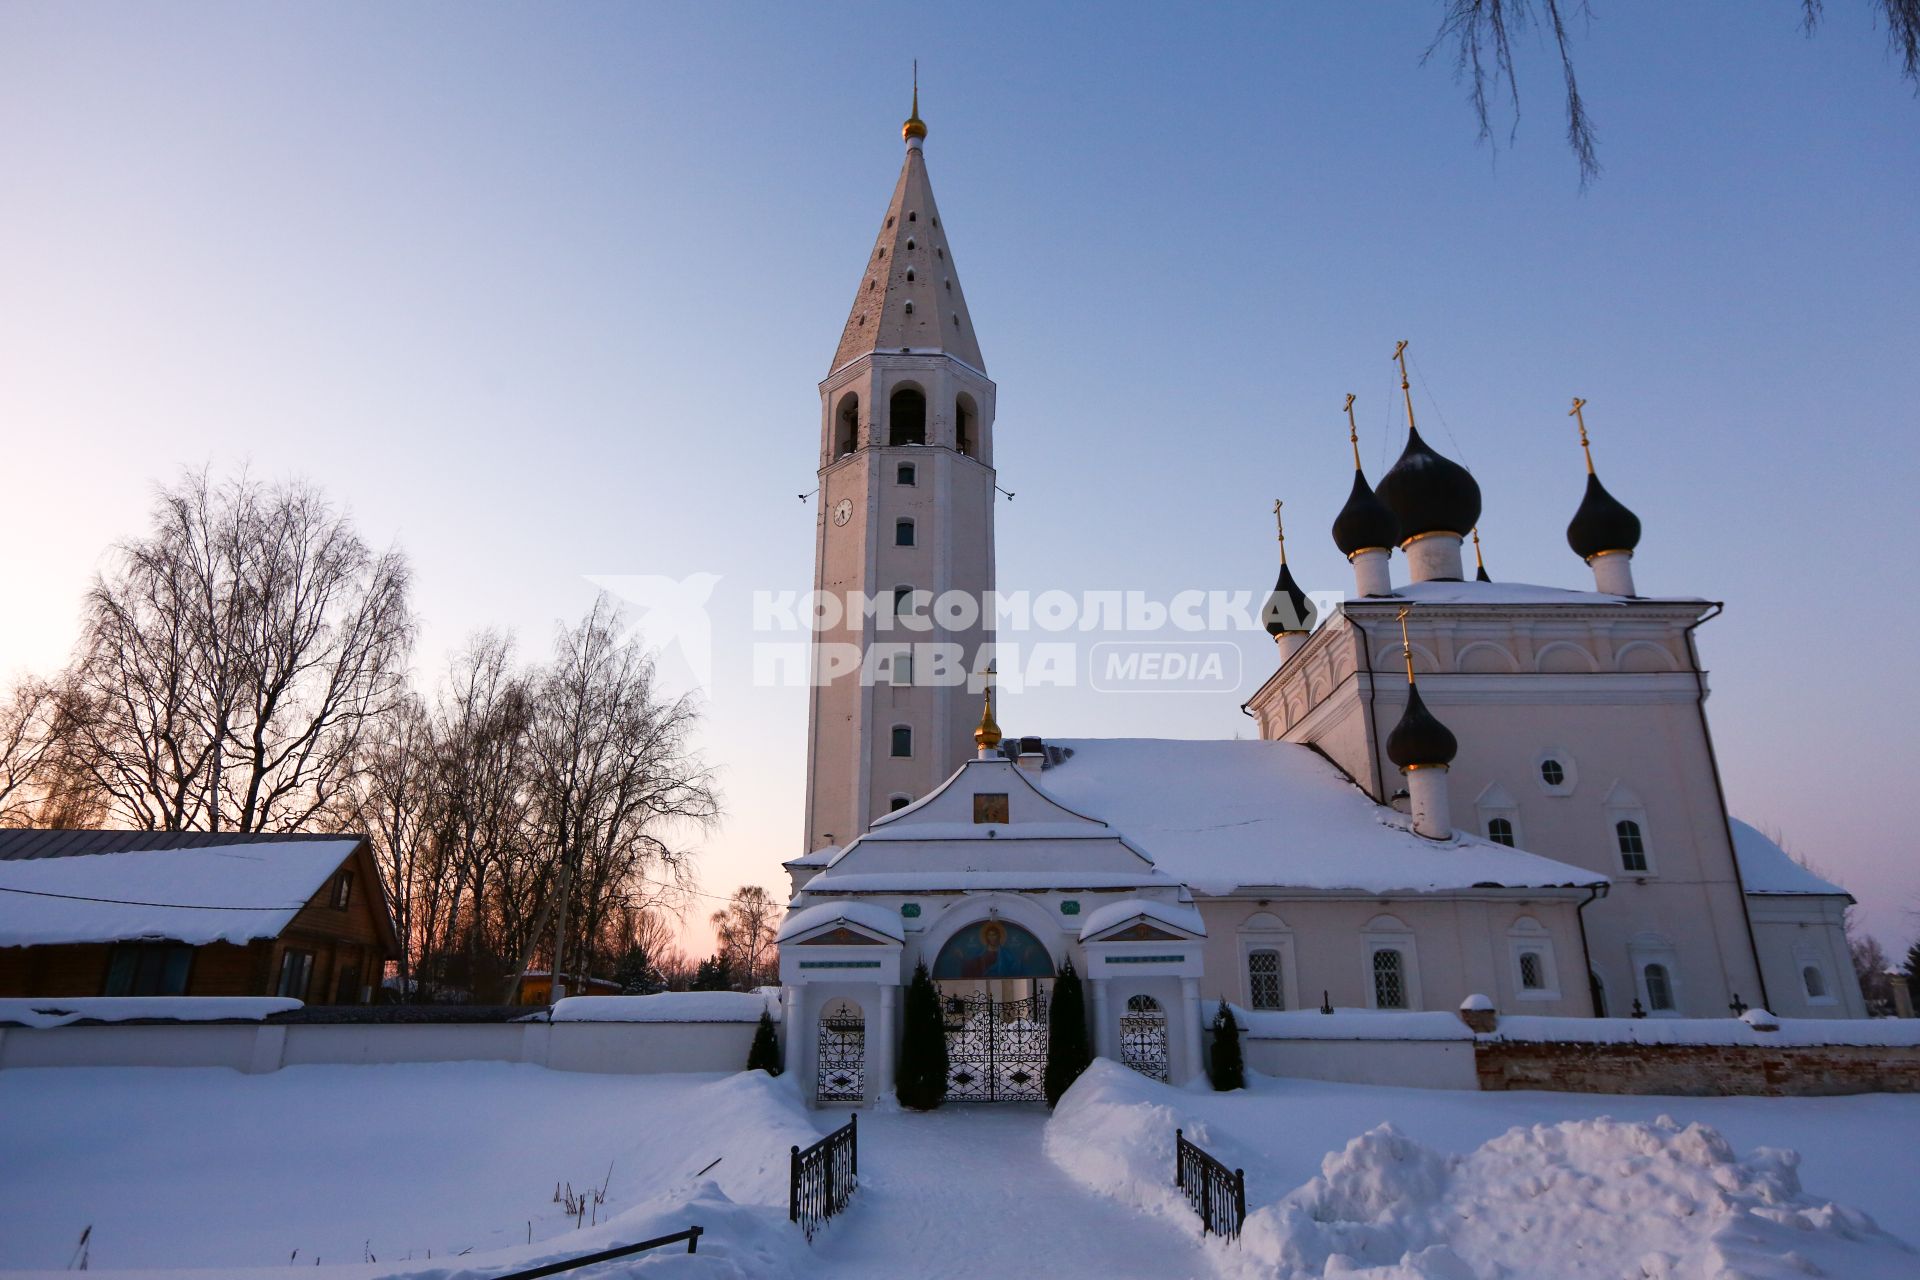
1654, 949
1529, 935
1622, 805
1493, 803
1570, 772
1804, 960
1264, 931
1386, 933
900, 667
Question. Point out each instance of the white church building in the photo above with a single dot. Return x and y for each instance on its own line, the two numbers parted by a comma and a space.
1461, 787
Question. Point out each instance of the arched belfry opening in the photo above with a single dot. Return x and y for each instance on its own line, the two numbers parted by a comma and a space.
965, 425
907, 417
846, 429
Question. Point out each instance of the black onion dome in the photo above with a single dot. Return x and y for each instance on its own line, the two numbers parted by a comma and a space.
1428, 493
1420, 740
1364, 522
1288, 608
1602, 523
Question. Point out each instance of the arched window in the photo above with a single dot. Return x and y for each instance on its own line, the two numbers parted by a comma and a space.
1263, 979
903, 740
903, 532
963, 426
847, 427
909, 271
1659, 988
907, 415
909, 308
913, 217
1533, 974
1633, 847
905, 475
1500, 831
1389, 979
896, 803
1814, 981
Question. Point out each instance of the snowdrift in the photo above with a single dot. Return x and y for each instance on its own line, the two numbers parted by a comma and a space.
1585, 1198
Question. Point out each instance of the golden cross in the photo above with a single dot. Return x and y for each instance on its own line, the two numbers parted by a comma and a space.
1406, 648
1280, 528
1476, 548
1581, 418
1400, 354
1353, 432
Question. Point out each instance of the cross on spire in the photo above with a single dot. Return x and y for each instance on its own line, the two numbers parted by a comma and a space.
1280, 528
1353, 432
1406, 648
1406, 391
1581, 418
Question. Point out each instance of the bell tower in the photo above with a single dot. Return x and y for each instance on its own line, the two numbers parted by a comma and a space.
905, 519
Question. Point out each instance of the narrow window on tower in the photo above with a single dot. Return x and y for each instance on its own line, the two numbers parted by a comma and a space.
903, 533
963, 426
902, 601
902, 740
905, 474
847, 427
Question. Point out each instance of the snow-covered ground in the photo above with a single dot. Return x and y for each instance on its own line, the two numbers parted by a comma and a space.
1407, 1184
208, 1168
189, 1168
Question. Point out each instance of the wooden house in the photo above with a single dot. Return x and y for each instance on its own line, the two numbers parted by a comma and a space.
157, 913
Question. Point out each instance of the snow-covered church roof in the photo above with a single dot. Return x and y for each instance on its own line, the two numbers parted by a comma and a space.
1767, 868
1220, 816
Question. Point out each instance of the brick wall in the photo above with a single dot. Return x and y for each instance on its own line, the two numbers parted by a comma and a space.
1697, 1070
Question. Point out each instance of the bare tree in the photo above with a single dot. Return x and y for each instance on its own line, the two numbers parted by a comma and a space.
26, 742
1482, 35
745, 930
234, 658
616, 781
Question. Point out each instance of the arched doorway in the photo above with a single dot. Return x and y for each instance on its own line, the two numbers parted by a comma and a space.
993, 978
841, 1063
1143, 1037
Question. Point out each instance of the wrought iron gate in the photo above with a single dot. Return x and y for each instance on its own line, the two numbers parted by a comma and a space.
996, 1049
842, 1074
1143, 1037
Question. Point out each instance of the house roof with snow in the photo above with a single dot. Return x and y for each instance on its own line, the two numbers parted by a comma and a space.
67, 887
1766, 868
1226, 816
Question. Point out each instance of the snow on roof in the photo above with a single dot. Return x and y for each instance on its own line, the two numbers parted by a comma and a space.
668, 1006
228, 892
818, 858
1507, 593
1767, 868
982, 881
1219, 816
1168, 913
59, 1011
872, 918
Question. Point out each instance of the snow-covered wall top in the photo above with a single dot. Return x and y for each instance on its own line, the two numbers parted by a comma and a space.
50, 1011
1218, 816
671, 1006
1509, 593
1767, 868
230, 893
867, 915
1368, 1024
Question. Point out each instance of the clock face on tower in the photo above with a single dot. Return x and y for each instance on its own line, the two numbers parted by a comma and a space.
843, 511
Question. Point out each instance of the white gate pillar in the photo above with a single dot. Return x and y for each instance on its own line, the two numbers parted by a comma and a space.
880, 1059
793, 1027
1190, 999
1102, 1033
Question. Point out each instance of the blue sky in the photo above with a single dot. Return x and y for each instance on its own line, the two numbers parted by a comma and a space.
543, 293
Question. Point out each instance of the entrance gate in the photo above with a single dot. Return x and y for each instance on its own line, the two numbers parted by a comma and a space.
996, 1049
1143, 1037
842, 1074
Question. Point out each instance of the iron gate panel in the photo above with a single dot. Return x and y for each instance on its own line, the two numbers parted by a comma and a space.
996, 1049
1143, 1037
842, 1075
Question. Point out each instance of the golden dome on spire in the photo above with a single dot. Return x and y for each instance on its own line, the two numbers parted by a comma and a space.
987, 736
915, 127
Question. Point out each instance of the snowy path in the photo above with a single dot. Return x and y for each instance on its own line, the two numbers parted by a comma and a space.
968, 1192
